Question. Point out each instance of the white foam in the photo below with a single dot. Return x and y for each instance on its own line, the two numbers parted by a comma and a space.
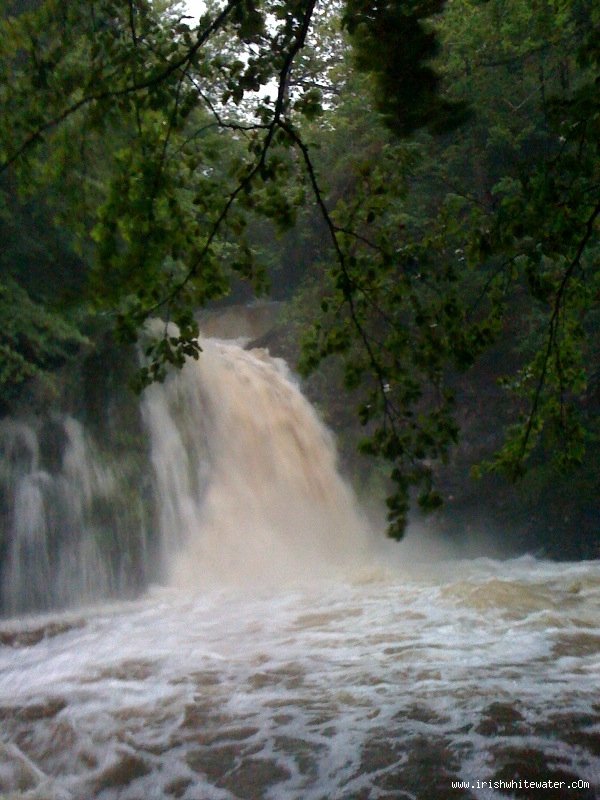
321, 684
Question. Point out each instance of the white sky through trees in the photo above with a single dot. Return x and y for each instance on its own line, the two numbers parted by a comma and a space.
195, 8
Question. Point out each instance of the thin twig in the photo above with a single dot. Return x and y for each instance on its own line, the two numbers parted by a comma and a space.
552, 329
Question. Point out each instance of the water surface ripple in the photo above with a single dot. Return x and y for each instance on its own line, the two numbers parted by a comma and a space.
381, 686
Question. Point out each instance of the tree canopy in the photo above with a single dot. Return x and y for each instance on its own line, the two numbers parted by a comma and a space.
446, 155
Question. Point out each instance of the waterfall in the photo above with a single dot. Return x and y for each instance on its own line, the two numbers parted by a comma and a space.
70, 533
245, 474
245, 489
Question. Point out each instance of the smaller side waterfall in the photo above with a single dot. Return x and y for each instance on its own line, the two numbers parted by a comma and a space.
246, 476
70, 533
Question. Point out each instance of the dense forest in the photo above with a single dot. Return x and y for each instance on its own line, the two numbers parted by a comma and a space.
417, 181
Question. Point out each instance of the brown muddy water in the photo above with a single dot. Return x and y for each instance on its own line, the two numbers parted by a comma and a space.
375, 686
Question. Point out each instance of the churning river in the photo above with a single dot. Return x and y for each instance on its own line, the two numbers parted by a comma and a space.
290, 654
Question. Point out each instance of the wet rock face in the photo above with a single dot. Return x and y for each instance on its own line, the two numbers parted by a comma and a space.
53, 444
240, 321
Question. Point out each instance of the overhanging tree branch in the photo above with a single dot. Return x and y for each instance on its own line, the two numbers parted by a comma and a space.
112, 94
348, 283
259, 164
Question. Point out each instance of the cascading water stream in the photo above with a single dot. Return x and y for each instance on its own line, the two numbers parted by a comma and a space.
66, 525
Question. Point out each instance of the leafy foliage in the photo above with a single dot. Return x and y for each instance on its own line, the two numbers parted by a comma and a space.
33, 342
453, 201
491, 232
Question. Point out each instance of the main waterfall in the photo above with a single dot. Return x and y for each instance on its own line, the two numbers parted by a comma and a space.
245, 473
